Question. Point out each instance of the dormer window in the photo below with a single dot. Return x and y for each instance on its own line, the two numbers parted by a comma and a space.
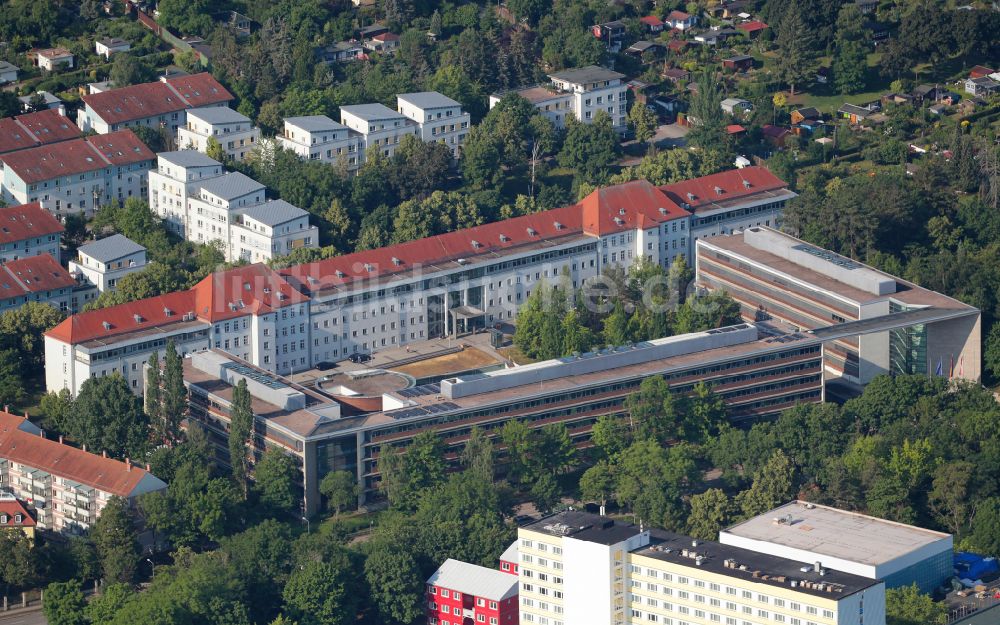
718, 190
476, 244
368, 267
396, 261
746, 184
690, 196
340, 274
558, 225
167, 312
504, 238
619, 221
532, 232
663, 211
138, 318
621, 211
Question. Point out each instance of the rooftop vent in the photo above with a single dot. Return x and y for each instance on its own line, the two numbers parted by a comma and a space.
167, 312
368, 267
138, 318
691, 196
340, 274
532, 232
558, 225
504, 238
396, 261
663, 211
476, 244
718, 190
107, 325
619, 221
746, 184
621, 211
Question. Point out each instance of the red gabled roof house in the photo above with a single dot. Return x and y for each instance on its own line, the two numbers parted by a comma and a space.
28, 230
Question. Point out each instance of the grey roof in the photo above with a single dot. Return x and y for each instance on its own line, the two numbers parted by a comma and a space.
314, 123
111, 248
370, 112
231, 185
218, 115
48, 97
471, 579
274, 212
427, 99
591, 73
188, 158
6, 67
112, 41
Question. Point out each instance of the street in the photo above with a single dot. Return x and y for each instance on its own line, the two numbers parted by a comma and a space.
31, 616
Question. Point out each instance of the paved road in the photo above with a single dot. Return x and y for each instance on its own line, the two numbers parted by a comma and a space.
30, 617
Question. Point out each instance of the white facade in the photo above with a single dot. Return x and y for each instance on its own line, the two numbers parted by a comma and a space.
439, 117
232, 130
272, 229
54, 58
177, 177
213, 208
319, 138
103, 263
595, 89
379, 126
108, 46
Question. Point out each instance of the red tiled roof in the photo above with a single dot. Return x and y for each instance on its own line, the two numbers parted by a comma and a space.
651, 20
256, 289
157, 98
734, 129
78, 156
121, 319
386, 37
105, 474
34, 129
54, 53
11, 508
678, 16
979, 71
636, 204
752, 27
34, 274
26, 221
677, 45
730, 182
200, 90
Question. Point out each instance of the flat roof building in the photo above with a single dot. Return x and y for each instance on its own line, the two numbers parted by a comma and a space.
459, 592
868, 546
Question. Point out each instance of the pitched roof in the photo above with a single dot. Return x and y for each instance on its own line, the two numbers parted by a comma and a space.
35, 274
231, 185
386, 37
314, 123
11, 508
471, 579
427, 99
27, 221
256, 289
187, 158
105, 474
34, 129
155, 312
735, 183
150, 99
752, 27
636, 204
8, 67
678, 16
78, 156
369, 112
54, 53
774, 132
218, 115
808, 112
274, 212
979, 71
651, 20
111, 248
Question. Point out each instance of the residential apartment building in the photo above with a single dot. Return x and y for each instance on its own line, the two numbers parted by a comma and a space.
160, 104
730, 201
319, 138
202, 202
250, 311
439, 118
65, 487
585, 91
15, 516
78, 175
898, 554
36, 279
103, 263
459, 593
378, 125
34, 129
577, 567
28, 230
776, 276
234, 131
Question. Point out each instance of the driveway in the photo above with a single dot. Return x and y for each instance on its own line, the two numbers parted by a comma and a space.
667, 136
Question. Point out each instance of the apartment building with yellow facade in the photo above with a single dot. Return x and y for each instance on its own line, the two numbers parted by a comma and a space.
577, 567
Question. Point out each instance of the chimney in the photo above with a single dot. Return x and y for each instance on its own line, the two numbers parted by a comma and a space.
60, 439
104, 454
818, 566
85, 447
128, 465
602, 510
148, 469
41, 432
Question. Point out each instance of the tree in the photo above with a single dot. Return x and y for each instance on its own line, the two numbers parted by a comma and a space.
103, 608
598, 483
106, 416
545, 492
11, 384
590, 149
214, 150
478, 455
950, 498
795, 60
241, 426
556, 452
772, 485
115, 540
643, 122
985, 535
340, 489
154, 396
275, 477
64, 603
22, 328
128, 70
521, 445
908, 606
396, 584
710, 512
850, 58
318, 594
19, 566
174, 393
610, 435
708, 124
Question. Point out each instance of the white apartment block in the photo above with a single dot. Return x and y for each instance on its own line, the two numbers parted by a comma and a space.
103, 263
378, 125
576, 567
203, 203
234, 131
66, 487
28, 230
319, 138
78, 175
423, 289
582, 92
439, 117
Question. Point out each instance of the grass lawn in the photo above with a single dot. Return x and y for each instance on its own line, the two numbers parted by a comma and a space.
349, 522
515, 354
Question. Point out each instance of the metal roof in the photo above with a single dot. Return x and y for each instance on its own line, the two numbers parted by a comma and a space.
369, 112
314, 123
188, 158
111, 248
274, 212
231, 185
474, 580
218, 115
427, 100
